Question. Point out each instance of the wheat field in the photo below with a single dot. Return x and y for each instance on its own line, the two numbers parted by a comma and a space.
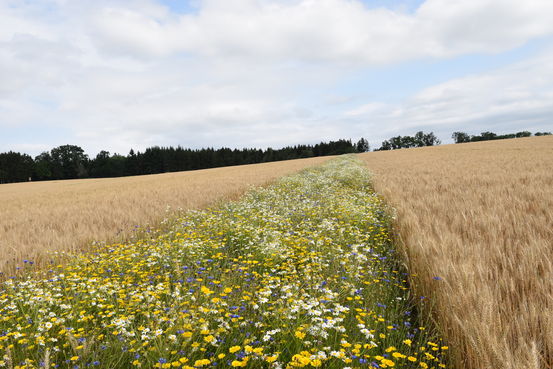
38, 218
475, 222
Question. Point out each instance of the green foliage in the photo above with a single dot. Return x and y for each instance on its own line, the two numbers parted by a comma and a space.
70, 161
15, 167
460, 137
420, 139
362, 145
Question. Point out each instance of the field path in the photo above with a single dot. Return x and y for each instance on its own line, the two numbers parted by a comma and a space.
301, 273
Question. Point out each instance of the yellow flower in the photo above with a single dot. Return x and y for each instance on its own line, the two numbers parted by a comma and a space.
136, 363
411, 358
271, 359
220, 356
233, 349
316, 363
300, 360
202, 362
74, 358
237, 363
300, 335
209, 338
407, 342
258, 350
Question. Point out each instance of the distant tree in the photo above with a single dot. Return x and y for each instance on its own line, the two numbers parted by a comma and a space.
542, 134
69, 161
396, 142
407, 142
132, 164
99, 166
362, 145
485, 136
43, 166
117, 165
420, 139
460, 137
306, 153
430, 139
15, 167
523, 134
106, 165
386, 145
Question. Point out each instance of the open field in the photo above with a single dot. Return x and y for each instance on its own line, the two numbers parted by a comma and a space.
40, 217
479, 216
299, 274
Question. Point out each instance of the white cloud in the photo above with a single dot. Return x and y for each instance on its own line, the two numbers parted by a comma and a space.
520, 95
329, 30
368, 109
119, 74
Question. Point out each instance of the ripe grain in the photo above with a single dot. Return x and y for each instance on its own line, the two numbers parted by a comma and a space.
479, 216
38, 218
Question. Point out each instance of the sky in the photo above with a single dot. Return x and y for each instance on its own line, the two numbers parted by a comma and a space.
121, 74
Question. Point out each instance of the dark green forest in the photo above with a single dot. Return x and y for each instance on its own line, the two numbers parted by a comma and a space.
71, 162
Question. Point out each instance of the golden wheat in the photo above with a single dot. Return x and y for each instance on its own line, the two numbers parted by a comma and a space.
40, 217
479, 216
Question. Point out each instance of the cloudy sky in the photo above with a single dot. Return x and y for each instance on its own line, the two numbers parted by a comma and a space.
123, 74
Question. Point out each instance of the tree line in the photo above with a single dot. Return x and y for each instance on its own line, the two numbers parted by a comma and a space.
420, 139
71, 162
461, 137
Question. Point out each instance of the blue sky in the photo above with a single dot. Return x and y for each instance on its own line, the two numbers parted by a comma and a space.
116, 75
181, 6
392, 83
187, 6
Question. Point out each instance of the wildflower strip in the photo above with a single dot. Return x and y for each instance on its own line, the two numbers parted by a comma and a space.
298, 274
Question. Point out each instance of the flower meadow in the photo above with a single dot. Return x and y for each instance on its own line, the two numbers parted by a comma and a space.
298, 274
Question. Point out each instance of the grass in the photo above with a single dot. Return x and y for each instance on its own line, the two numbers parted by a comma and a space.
41, 218
299, 274
479, 216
